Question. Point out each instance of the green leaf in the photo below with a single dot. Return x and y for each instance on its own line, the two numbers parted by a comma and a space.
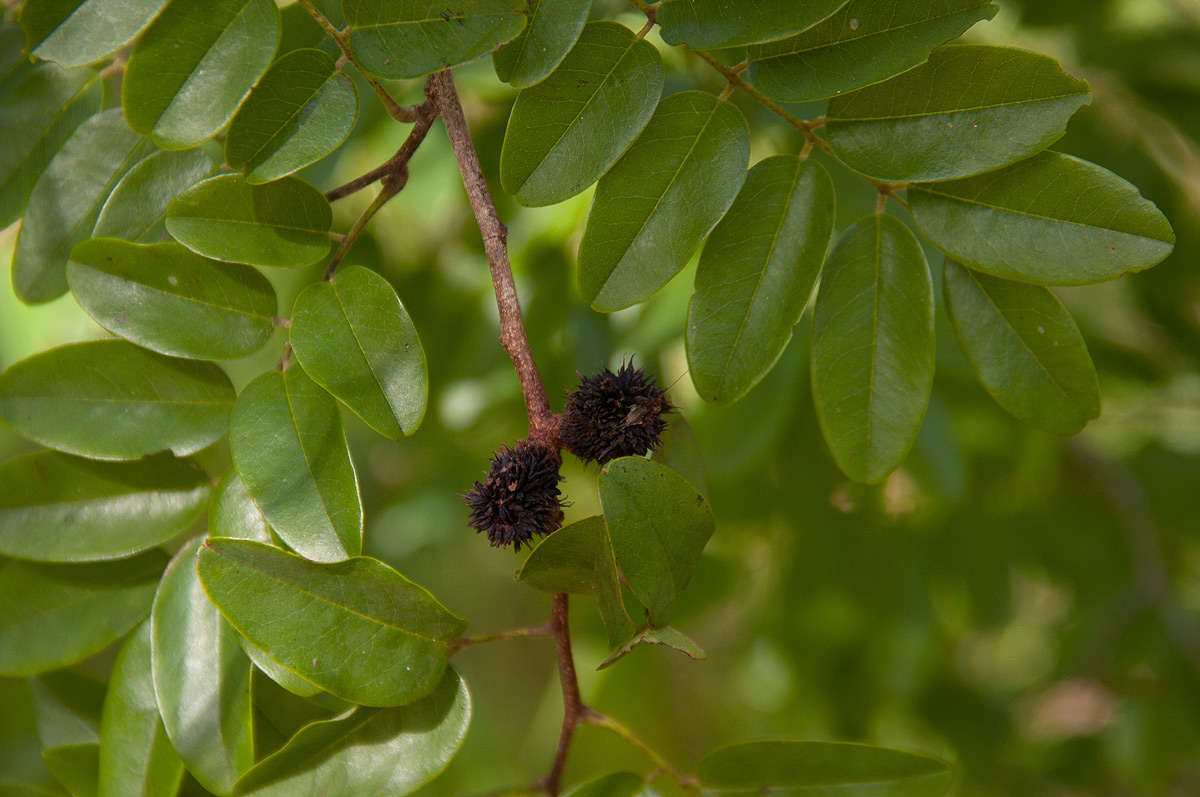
554, 26
815, 767
68, 720
873, 347
300, 111
109, 399
756, 273
52, 616
1050, 220
135, 209
680, 451
358, 629
166, 298
38, 113
654, 208
719, 23
75, 766
284, 223
666, 636
659, 525
616, 784
968, 109
201, 678
410, 38
233, 512
136, 757
369, 751
568, 130
77, 32
1025, 349
59, 508
278, 673
67, 199
290, 450
355, 339
867, 41
194, 65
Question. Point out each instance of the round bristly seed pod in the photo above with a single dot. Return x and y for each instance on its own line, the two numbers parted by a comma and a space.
520, 498
614, 415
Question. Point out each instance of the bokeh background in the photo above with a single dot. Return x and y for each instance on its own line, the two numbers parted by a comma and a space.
1023, 605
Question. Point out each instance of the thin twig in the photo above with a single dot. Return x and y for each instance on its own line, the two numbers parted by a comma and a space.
392, 185
396, 164
574, 711
535, 632
542, 422
605, 721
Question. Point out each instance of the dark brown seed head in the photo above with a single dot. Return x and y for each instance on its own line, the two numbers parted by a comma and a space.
520, 497
614, 415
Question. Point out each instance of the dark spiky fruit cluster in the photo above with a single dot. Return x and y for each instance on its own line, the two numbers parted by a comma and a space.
614, 415
520, 497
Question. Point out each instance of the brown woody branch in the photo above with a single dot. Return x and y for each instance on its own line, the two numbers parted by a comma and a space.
397, 165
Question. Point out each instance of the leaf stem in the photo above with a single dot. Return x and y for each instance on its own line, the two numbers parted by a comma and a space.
574, 711
534, 632
604, 721
398, 163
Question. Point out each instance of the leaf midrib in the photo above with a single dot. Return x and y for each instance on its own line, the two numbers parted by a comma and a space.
949, 111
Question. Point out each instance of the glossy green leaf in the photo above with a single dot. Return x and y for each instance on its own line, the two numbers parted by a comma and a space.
654, 208
369, 751
616, 784
300, 111
67, 199
873, 347
38, 113
1050, 220
290, 450
201, 678
554, 26
278, 673
284, 223
52, 616
659, 524
109, 399
194, 65
59, 508
756, 273
68, 721
169, 299
968, 109
135, 209
136, 757
568, 130
867, 41
410, 38
719, 23
355, 339
358, 629
816, 767
77, 32
666, 636
233, 512
1025, 349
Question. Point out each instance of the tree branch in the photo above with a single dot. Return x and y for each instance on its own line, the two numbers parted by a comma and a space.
574, 711
398, 163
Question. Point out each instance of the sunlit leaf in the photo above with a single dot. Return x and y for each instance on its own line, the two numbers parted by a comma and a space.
77, 32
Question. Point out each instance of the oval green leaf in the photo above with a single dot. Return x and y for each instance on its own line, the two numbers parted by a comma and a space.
410, 38
369, 751
300, 111
77, 32
823, 765
617, 784
873, 347
109, 399
59, 508
756, 273
134, 210
68, 707
554, 26
565, 561
38, 113
659, 524
1050, 220
666, 636
136, 757
358, 629
968, 109
233, 512
194, 65
653, 209
52, 616
169, 299
278, 673
866, 42
290, 450
719, 23
284, 223
568, 130
1025, 348
201, 678
355, 339
67, 199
